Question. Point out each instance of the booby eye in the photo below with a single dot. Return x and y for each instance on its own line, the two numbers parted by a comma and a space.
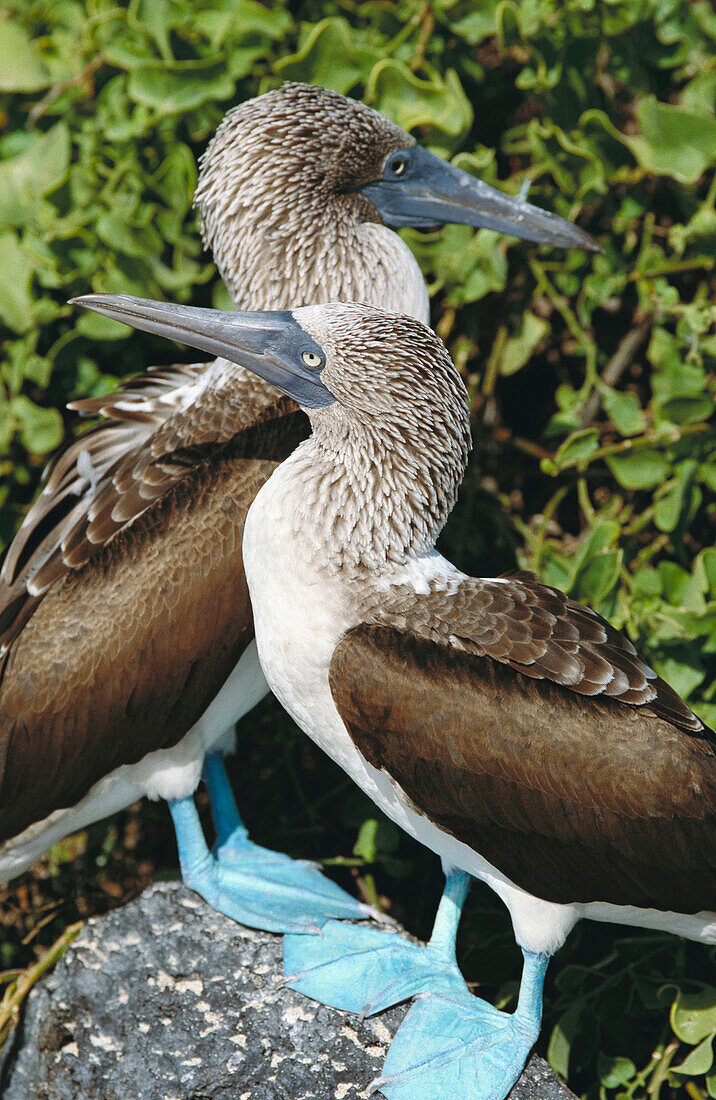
397, 166
311, 359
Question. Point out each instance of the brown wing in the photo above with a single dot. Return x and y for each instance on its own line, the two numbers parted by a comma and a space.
537, 631
125, 652
575, 799
156, 429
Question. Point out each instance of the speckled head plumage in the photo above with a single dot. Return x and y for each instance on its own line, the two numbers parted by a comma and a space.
386, 371
333, 144
300, 191
398, 431
278, 200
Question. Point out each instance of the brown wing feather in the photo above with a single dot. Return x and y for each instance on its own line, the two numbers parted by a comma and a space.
133, 412
471, 702
156, 433
124, 654
537, 631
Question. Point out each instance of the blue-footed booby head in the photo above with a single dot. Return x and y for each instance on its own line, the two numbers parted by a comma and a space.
511, 730
299, 193
346, 176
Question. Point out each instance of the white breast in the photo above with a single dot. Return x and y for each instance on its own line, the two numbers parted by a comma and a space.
301, 610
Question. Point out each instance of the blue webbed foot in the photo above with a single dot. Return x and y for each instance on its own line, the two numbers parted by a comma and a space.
307, 897
302, 896
458, 1046
255, 886
367, 970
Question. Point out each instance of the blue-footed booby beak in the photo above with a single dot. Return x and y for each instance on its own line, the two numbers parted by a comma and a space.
272, 345
422, 190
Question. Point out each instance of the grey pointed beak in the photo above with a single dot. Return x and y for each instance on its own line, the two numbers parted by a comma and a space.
272, 344
431, 192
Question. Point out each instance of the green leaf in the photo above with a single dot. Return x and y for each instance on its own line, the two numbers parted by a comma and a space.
130, 240
683, 678
365, 846
467, 265
599, 576
246, 18
438, 104
176, 179
639, 469
220, 297
41, 430
675, 582
674, 141
21, 65
96, 327
698, 1061
693, 1016
478, 23
647, 582
711, 1085
375, 837
17, 271
688, 409
515, 351
563, 1035
705, 570
181, 86
614, 1071
625, 411
669, 507
576, 450
333, 56
39, 170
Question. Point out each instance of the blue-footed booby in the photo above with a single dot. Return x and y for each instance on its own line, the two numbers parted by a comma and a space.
511, 730
125, 622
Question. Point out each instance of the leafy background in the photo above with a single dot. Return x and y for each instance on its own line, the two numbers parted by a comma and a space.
591, 381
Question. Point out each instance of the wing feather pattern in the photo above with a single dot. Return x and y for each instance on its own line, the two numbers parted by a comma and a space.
154, 432
530, 729
123, 616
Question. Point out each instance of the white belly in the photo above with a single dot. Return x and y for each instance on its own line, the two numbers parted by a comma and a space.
300, 614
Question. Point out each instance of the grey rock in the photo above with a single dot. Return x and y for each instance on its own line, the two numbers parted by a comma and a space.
166, 999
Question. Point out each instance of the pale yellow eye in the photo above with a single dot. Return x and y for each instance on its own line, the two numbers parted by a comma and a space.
311, 359
397, 167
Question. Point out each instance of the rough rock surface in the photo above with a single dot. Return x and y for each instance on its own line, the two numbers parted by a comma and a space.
167, 1000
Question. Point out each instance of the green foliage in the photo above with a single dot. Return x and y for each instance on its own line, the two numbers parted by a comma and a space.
591, 377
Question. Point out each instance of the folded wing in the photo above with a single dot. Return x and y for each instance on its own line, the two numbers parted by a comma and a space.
153, 432
526, 726
124, 605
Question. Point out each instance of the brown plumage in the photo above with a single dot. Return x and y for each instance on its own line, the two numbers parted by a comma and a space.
279, 206
124, 653
156, 430
159, 448
472, 700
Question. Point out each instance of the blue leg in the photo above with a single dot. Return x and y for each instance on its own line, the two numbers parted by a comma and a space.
458, 1046
366, 970
232, 836
262, 891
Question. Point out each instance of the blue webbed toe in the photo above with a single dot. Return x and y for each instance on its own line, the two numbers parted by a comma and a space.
458, 1046
365, 970
253, 885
